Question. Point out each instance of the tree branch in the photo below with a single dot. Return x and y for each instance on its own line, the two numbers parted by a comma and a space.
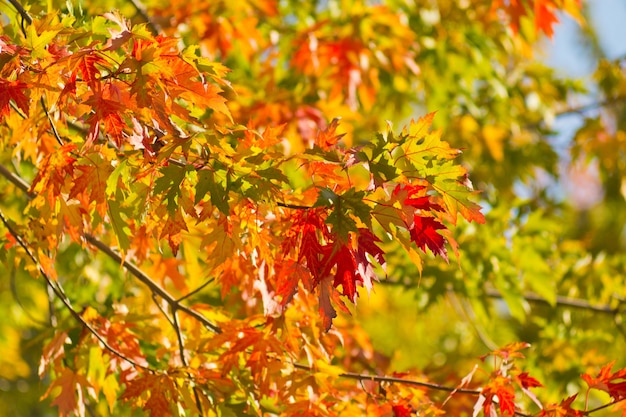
22, 12
129, 266
60, 294
561, 301
591, 106
391, 379
153, 286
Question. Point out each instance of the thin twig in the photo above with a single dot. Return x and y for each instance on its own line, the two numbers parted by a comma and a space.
184, 297
183, 358
391, 379
22, 12
293, 206
153, 286
561, 301
602, 407
54, 128
129, 266
591, 106
58, 291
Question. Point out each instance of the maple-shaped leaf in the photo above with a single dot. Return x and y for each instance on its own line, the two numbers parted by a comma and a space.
13, 90
424, 233
326, 139
109, 112
160, 390
498, 391
70, 399
414, 197
564, 409
612, 382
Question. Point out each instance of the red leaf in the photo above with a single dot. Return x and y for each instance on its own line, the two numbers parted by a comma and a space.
527, 381
107, 111
310, 248
424, 234
366, 243
401, 410
613, 383
416, 197
500, 388
345, 274
12, 90
328, 137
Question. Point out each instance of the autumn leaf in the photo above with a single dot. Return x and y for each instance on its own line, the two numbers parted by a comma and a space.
564, 409
70, 398
152, 392
612, 382
402, 410
527, 381
13, 90
424, 233
499, 391
510, 351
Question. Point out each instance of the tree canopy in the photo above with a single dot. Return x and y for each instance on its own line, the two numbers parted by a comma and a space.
321, 208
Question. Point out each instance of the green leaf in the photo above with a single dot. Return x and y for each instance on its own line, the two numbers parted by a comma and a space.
207, 184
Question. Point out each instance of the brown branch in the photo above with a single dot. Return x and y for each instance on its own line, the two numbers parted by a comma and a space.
293, 206
54, 128
591, 106
22, 12
129, 266
391, 379
197, 290
20, 9
153, 286
562, 302
602, 407
60, 294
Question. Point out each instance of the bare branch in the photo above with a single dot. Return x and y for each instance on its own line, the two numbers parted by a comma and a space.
602, 407
153, 286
